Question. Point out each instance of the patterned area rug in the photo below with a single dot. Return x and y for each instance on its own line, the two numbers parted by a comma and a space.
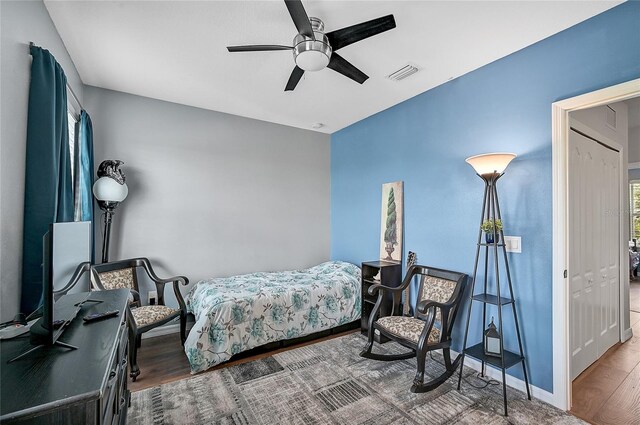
329, 383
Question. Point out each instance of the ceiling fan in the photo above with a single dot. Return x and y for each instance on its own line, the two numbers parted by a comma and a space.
314, 50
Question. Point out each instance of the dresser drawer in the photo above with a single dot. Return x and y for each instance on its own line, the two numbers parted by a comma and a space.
123, 341
109, 401
116, 409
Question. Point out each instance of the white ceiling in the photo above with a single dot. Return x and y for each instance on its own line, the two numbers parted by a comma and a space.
175, 50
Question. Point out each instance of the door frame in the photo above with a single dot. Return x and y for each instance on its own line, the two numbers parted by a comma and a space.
560, 170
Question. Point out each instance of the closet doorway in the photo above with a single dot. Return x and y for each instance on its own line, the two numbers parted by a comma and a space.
578, 287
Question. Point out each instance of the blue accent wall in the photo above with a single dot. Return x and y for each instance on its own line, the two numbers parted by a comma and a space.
503, 106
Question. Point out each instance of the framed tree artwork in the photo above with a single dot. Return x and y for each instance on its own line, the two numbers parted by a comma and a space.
391, 225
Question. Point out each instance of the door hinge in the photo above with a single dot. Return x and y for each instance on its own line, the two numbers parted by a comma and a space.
565, 274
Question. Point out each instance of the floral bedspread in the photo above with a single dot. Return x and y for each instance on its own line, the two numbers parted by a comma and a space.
238, 313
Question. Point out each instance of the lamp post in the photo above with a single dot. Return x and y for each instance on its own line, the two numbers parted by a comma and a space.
109, 190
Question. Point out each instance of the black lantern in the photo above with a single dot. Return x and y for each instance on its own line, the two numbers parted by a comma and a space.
492, 340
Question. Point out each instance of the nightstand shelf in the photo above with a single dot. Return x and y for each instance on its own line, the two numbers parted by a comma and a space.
477, 352
390, 274
492, 299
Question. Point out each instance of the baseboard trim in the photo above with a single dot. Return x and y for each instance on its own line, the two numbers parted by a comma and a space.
628, 334
162, 330
512, 381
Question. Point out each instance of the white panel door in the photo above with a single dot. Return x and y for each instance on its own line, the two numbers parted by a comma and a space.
583, 296
594, 270
609, 256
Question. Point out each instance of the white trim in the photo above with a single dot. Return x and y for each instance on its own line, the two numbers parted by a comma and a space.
560, 136
512, 381
634, 165
72, 102
162, 330
627, 335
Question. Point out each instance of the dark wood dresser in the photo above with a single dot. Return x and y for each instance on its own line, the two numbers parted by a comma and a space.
55, 385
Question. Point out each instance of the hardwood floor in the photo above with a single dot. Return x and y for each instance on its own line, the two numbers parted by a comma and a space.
162, 359
608, 392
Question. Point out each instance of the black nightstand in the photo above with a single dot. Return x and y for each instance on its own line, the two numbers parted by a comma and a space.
390, 275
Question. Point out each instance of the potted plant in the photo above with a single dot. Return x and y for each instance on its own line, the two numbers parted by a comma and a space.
488, 227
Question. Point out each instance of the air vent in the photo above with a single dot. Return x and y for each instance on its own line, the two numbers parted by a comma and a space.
403, 72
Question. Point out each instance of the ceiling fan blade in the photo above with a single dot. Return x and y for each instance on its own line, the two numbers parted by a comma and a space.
349, 35
257, 48
341, 65
294, 78
300, 18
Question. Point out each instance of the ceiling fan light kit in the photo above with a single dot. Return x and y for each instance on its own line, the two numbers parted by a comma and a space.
312, 54
313, 50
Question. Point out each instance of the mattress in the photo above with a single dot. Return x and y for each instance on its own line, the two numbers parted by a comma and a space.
238, 313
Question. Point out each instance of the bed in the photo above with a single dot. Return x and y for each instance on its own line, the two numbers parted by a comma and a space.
238, 313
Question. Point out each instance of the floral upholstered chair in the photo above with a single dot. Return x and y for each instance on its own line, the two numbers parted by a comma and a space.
429, 328
122, 274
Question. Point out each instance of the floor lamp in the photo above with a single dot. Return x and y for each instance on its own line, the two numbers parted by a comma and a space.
490, 167
110, 189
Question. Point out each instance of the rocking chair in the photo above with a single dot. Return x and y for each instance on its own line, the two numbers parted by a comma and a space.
439, 296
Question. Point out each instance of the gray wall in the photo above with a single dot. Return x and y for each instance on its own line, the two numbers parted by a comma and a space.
212, 194
634, 152
634, 145
21, 22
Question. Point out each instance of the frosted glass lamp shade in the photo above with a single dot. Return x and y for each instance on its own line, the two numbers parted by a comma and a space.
490, 163
108, 190
311, 60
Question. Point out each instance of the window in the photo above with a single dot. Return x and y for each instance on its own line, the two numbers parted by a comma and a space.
634, 192
73, 117
72, 120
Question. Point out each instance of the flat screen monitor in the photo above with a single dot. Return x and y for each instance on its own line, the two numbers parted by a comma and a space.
56, 316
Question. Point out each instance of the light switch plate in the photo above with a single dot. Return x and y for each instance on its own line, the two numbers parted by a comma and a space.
513, 244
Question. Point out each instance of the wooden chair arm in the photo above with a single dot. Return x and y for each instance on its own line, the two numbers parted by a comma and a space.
160, 283
424, 306
407, 280
445, 308
380, 287
136, 297
146, 265
176, 291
